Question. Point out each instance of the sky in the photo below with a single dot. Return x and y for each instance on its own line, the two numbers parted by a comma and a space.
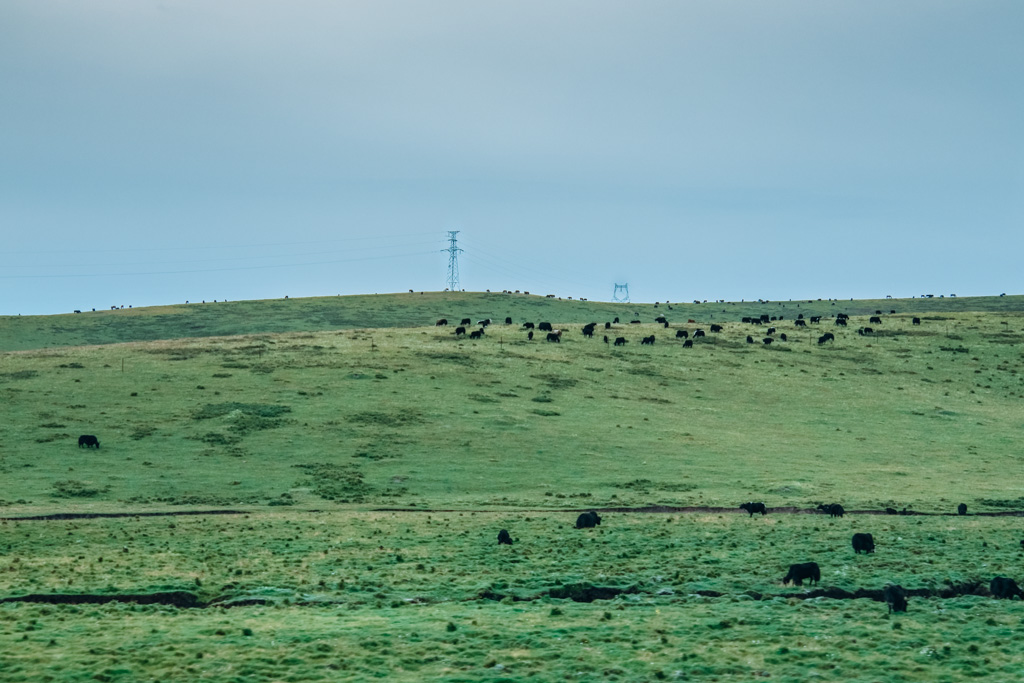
158, 152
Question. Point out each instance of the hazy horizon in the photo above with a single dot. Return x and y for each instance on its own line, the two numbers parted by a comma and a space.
158, 152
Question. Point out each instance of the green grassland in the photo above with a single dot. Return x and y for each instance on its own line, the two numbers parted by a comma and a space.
373, 456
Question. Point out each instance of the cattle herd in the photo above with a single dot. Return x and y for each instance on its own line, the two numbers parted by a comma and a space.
770, 336
894, 595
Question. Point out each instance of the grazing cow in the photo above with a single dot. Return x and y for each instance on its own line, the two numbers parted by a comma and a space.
527, 326
875, 319
783, 337
750, 340
825, 337
698, 333
616, 321
466, 321
504, 538
865, 330
647, 340
460, 330
916, 321
808, 571
765, 318
891, 511
754, 507
682, 334
832, 509
529, 335
554, 337
746, 320
661, 320
77, 311
476, 334
484, 323
800, 323
716, 328
767, 340
1002, 587
88, 441
508, 320
607, 326
634, 322
588, 520
895, 597
844, 316
815, 319
771, 331
863, 543
544, 327
841, 322
688, 344
619, 341
442, 321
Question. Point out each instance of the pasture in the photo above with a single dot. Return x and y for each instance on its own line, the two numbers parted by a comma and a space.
372, 467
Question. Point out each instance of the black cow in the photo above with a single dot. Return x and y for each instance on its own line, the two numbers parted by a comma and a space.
895, 597
88, 441
767, 340
508, 320
504, 538
588, 330
916, 321
476, 334
698, 333
529, 335
800, 323
832, 509
828, 336
606, 339
863, 543
588, 520
544, 327
616, 321
466, 321
754, 507
771, 331
875, 319
460, 330
661, 320
815, 319
783, 337
554, 337
841, 322
865, 330
647, 340
1002, 587
688, 344
77, 311
716, 328
891, 511
808, 571
682, 334
764, 318
635, 322
484, 323
442, 321
750, 340
527, 326
607, 326
619, 341
961, 509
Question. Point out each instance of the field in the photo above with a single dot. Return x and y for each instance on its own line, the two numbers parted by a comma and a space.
364, 462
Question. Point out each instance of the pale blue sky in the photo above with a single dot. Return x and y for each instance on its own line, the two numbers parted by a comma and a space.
157, 152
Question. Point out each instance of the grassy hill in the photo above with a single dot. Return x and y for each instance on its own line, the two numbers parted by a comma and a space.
921, 415
323, 422
18, 333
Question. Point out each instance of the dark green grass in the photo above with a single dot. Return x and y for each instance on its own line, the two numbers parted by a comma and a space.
357, 596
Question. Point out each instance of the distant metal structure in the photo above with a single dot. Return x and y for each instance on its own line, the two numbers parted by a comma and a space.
453, 261
621, 298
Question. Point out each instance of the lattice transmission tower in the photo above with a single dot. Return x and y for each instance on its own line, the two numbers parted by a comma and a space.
453, 261
622, 298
